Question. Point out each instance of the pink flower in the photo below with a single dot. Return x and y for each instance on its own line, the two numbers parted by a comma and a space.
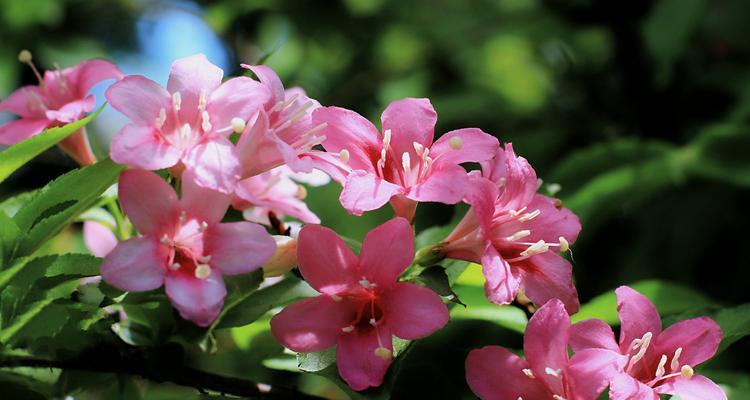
185, 126
183, 245
361, 303
283, 132
511, 230
493, 372
98, 238
654, 362
272, 191
59, 99
402, 165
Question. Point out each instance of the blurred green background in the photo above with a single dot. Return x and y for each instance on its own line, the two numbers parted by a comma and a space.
637, 109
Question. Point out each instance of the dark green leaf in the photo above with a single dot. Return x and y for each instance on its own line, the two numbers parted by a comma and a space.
9, 236
436, 279
720, 152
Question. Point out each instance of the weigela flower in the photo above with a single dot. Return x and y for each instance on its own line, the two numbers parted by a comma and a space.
186, 126
283, 132
653, 361
98, 238
494, 373
59, 99
361, 303
514, 232
402, 165
183, 247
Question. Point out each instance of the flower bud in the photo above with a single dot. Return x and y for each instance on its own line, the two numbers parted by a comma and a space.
285, 257
430, 255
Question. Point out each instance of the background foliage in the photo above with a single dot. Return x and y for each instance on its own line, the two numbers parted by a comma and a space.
637, 109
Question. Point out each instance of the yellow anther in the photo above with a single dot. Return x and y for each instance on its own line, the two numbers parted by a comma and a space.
202, 271
687, 371
383, 353
564, 245
456, 143
238, 124
344, 155
24, 56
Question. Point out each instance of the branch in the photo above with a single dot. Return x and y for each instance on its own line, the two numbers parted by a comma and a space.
135, 363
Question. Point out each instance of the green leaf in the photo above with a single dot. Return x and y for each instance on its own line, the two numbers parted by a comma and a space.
22, 152
26, 270
479, 308
9, 235
669, 298
436, 279
56, 205
667, 30
11, 205
720, 152
735, 324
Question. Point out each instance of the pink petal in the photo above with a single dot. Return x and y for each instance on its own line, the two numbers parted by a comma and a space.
77, 146
21, 129
387, 251
149, 202
347, 130
312, 324
192, 76
590, 371
481, 195
696, 388
197, 300
270, 79
413, 312
330, 164
698, 337
142, 147
325, 261
139, 99
89, 73
552, 221
446, 183
204, 204
236, 98
409, 120
637, 316
518, 177
546, 342
475, 146
72, 111
98, 238
592, 334
494, 373
625, 387
258, 148
548, 276
500, 286
135, 265
24, 102
238, 247
215, 164
365, 191
358, 365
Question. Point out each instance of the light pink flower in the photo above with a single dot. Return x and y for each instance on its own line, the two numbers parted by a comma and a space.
283, 132
183, 245
272, 191
654, 361
98, 238
187, 125
514, 232
402, 165
361, 303
494, 373
59, 99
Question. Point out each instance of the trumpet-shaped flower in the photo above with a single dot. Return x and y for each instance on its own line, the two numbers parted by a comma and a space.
401, 165
514, 232
361, 303
183, 246
654, 361
547, 372
186, 126
59, 99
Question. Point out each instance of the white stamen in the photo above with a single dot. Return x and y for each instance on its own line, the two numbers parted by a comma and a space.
642, 345
553, 188
162, 118
686, 371
418, 148
335, 297
238, 124
202, 100
529, 373
347, 329
557, 397
553, 372
515, 213
366, 284
202, 271
373, 322
660, 371
383, 353
387, 138
174, 266
176, 101
518, 235
536, 248
165, 239
406, 162
206, 123
344, 155
204, 226
204, 259
564, 245
676, 359
185, 132
456, 143
530, 216
301, 192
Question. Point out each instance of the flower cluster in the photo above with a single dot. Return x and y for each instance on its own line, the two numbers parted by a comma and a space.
250, 144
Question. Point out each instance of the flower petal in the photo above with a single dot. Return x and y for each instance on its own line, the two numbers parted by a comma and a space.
325, 261
215, 164
270, 79
365, 191
518, 177
637, 316
358, 365
500, 285
139, 99
548, 276
625, 387
89, 73
141, 146
446, 183
409, 120
590, 371
24, 102
238, 247
494, 373
592, 334
696, 388
413, 312
259, 149
470, 145
236, 98
481, 195
197, 300
546, 343
347, 130
202, 203
698, 337
387, 251
192, 76
98, 238
21, 129
312, 324
149, 201
135, 265
72, 111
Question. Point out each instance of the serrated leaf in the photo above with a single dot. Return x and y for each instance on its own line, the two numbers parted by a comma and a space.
22, 152
26, 316
9, 236
11, 205
24, 271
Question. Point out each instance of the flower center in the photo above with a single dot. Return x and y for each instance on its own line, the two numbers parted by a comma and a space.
369, 316
640, 346
289, 112
186, 249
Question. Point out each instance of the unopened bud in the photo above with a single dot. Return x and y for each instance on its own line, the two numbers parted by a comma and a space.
430, 254
284, 259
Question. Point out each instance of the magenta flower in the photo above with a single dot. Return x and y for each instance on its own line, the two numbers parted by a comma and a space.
59, 99
186, 126
273, 191
494, 373
361, 303
283, 132
402, 165
654, 362
183, 245
511, 230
